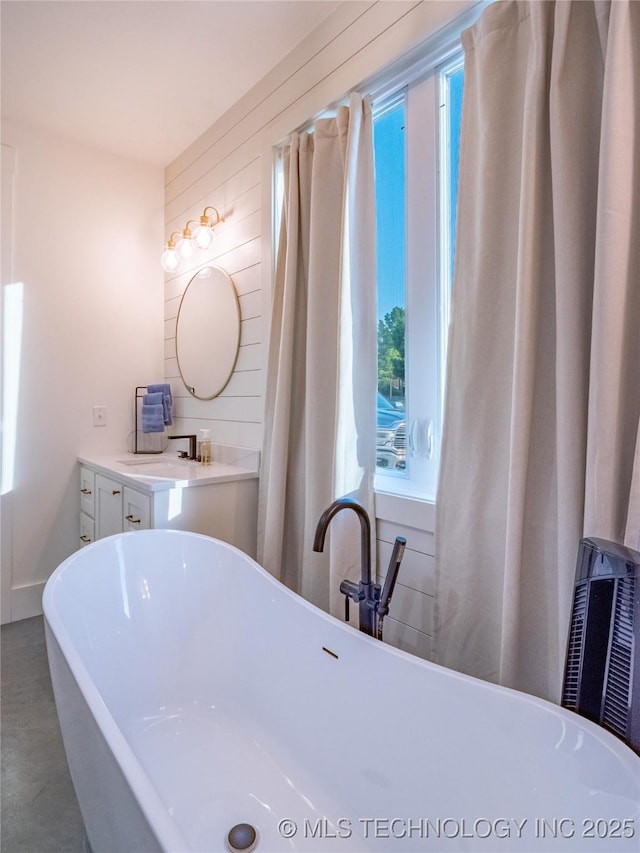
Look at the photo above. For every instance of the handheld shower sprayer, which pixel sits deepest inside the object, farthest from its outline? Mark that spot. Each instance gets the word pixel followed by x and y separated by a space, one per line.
pixel 390 582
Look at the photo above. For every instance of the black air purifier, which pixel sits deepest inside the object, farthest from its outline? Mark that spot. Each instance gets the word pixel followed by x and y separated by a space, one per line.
pixel 602 676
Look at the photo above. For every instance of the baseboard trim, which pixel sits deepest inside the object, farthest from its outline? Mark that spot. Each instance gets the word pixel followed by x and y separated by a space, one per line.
pixel 26 601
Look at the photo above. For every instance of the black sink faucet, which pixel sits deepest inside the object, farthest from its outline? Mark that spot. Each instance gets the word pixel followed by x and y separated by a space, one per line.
pixel 366 594
pixel 192 446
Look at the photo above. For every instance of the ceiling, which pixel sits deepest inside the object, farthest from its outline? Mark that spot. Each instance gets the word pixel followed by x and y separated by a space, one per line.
pixel 141 78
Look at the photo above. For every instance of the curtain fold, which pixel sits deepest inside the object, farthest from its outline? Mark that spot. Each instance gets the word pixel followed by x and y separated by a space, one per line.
pixel 320 396
pixel 543 394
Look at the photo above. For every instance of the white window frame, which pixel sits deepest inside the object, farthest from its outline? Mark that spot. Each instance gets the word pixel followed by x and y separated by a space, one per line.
pixel 428 283
pixel 454 64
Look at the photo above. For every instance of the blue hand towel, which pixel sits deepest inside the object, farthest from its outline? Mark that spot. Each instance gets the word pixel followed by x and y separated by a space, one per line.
pixel 167 400
pixel 152 413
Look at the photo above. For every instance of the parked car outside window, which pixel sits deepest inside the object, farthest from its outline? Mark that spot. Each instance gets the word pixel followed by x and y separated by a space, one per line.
pixel 391 435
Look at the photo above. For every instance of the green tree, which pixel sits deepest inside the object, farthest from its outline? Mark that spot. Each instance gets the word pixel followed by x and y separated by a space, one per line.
pixel 391 351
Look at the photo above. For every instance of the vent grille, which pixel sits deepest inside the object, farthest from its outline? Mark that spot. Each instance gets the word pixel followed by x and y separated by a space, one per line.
pixel 617 698
pixel 574 653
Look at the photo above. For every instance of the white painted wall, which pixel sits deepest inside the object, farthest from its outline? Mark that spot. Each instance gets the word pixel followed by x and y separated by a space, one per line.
pixel 230 167
pixel 87 227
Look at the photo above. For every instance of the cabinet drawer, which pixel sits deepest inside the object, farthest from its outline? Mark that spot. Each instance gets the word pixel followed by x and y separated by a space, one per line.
pixel 136 510
pixel 108 514
pixel 87 529
pixel 87 491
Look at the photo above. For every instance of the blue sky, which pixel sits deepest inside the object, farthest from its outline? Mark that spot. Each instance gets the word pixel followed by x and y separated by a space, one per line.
pixel 390 208
pixel 389 152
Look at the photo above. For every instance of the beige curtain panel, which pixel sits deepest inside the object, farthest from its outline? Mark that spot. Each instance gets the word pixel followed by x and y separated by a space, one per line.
pixel 320 396
pixel 543 387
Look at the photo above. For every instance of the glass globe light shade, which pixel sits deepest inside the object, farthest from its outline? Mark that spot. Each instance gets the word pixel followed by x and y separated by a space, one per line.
pixel 185 247
pixel 202 236
pixel 170 259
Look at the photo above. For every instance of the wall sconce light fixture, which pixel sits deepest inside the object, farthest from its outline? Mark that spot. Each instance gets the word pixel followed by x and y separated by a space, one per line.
pixel 182 248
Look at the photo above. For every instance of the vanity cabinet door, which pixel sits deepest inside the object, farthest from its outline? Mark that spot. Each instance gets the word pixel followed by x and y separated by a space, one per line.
pixel 136 510
pixel 108 506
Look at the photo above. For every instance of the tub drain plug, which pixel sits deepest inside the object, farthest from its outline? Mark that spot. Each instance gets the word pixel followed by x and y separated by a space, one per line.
pixel 242 838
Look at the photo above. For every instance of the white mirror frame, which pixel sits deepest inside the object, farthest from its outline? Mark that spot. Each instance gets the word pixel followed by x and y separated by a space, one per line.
pixel 208 333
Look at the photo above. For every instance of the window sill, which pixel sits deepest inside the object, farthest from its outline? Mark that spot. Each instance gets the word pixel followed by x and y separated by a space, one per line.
pixel 397 501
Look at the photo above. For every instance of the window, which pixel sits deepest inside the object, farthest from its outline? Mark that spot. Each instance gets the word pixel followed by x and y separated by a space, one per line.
pixel 416 136
pixel 416 126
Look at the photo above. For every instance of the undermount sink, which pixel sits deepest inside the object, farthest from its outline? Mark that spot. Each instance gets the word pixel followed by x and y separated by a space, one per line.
pixel 146 460
pixel 150 466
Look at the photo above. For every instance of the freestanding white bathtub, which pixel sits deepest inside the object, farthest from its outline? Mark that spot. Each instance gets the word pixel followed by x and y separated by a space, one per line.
pixel 195 692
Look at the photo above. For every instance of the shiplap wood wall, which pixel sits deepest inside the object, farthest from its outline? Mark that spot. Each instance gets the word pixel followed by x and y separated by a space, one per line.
pixel 231 168
pixel 235 416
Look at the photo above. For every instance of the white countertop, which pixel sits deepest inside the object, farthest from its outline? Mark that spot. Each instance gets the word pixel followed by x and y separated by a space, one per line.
pixel 153 473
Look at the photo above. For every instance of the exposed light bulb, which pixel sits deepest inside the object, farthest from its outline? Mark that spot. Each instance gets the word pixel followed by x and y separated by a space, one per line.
pixel 170 259
pixel 184 247
pixel 202 236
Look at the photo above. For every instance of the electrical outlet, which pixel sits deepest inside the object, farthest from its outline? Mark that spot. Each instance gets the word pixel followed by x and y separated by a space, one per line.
pixel 99 416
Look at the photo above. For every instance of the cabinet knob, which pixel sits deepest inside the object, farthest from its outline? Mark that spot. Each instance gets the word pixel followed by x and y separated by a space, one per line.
pixel 85 539
pixel 86 491
pixel 132 519
pixel 115 492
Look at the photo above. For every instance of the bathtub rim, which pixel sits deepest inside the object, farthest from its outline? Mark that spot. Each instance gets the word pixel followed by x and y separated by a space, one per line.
pixel 148 798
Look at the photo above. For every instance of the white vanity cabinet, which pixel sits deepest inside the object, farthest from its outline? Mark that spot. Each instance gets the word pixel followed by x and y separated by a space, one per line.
pixel 220 501
pixel 107 506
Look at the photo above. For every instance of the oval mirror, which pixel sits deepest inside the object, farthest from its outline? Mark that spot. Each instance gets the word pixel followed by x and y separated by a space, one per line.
pixel 208 332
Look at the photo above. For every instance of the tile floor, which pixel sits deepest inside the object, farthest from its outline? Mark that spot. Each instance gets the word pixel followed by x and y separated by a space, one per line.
pixel 40 813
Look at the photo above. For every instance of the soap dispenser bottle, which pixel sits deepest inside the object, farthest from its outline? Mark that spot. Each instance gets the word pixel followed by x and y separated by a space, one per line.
pixel 205 447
